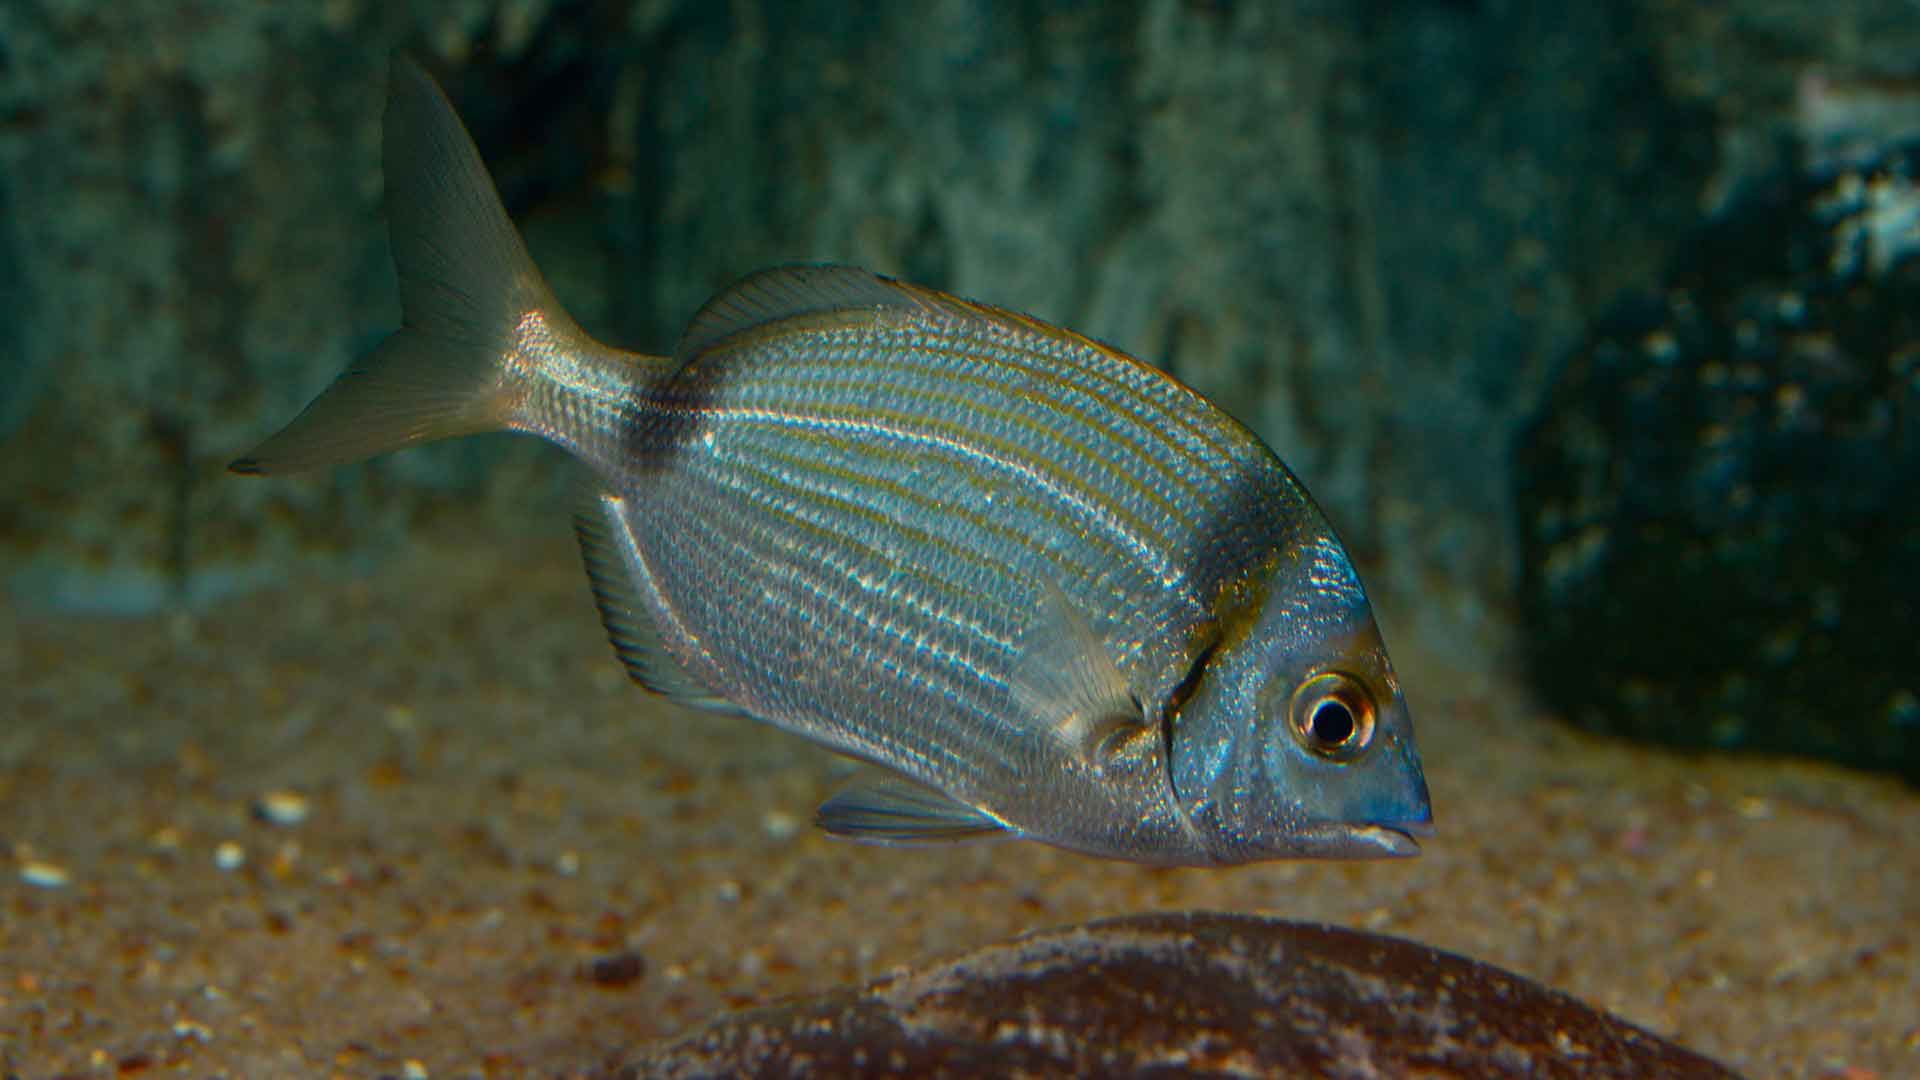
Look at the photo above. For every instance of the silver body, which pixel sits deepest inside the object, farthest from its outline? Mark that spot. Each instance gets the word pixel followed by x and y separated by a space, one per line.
pixel 844 522
pixel 1056 589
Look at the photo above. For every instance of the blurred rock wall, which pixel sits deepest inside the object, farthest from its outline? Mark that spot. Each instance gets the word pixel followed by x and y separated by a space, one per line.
pixel 1367 228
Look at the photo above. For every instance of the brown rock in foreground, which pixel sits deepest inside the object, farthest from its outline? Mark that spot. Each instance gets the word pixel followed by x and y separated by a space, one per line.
pixel 1185 994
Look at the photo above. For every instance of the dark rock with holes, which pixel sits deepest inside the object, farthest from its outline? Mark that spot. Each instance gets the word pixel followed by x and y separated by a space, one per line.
pixel 1184 995
pixel 1719 524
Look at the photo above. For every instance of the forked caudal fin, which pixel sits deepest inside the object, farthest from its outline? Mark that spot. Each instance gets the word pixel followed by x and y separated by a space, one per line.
pixel 473 303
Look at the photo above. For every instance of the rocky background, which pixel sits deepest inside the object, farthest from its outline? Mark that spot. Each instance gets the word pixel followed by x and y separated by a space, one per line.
pixel 1369 228
pixel 1719 541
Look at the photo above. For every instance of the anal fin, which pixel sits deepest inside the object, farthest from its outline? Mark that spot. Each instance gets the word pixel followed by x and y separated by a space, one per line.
pixel 608 549
pixel 896 812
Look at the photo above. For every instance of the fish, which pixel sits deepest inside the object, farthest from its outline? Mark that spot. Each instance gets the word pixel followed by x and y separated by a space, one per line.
pixel 1048 589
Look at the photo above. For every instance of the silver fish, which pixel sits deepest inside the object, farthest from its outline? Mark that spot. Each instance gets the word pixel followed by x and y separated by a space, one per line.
pixel 1054 591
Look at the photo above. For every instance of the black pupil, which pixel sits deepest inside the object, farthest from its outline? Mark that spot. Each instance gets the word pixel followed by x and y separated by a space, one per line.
pixel 1332 722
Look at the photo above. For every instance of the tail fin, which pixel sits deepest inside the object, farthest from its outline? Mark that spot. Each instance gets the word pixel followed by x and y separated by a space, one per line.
pixel 466 284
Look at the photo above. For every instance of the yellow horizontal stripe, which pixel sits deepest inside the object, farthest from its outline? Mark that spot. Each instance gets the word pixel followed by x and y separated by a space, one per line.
pixel 1141 542
pixel 963 405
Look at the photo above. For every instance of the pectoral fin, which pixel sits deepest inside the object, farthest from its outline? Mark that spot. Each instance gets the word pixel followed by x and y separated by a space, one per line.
pixel 896 812
pixel 1067 681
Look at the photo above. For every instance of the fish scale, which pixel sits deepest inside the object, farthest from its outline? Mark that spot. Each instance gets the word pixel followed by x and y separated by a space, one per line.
pixel 1051 591
pixel 932 366
pixel 1068 494
pixel 811 605
pixel 952 351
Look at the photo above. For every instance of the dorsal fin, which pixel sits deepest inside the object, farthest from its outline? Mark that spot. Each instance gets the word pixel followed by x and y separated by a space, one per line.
pixel 604 547
pixel 784 292
pixel 787 292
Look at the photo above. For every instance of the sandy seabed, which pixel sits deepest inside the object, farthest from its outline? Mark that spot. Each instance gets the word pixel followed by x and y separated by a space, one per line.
pixel 419 824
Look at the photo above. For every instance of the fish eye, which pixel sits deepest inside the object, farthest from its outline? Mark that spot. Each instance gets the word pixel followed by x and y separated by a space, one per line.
pixel 1332 715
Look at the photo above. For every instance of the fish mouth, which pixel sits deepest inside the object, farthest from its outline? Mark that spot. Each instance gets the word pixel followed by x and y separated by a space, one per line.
pixel 1392 841
pixel 1374 840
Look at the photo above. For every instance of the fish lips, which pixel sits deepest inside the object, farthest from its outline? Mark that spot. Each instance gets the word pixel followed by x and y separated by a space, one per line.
pixel 1373 840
